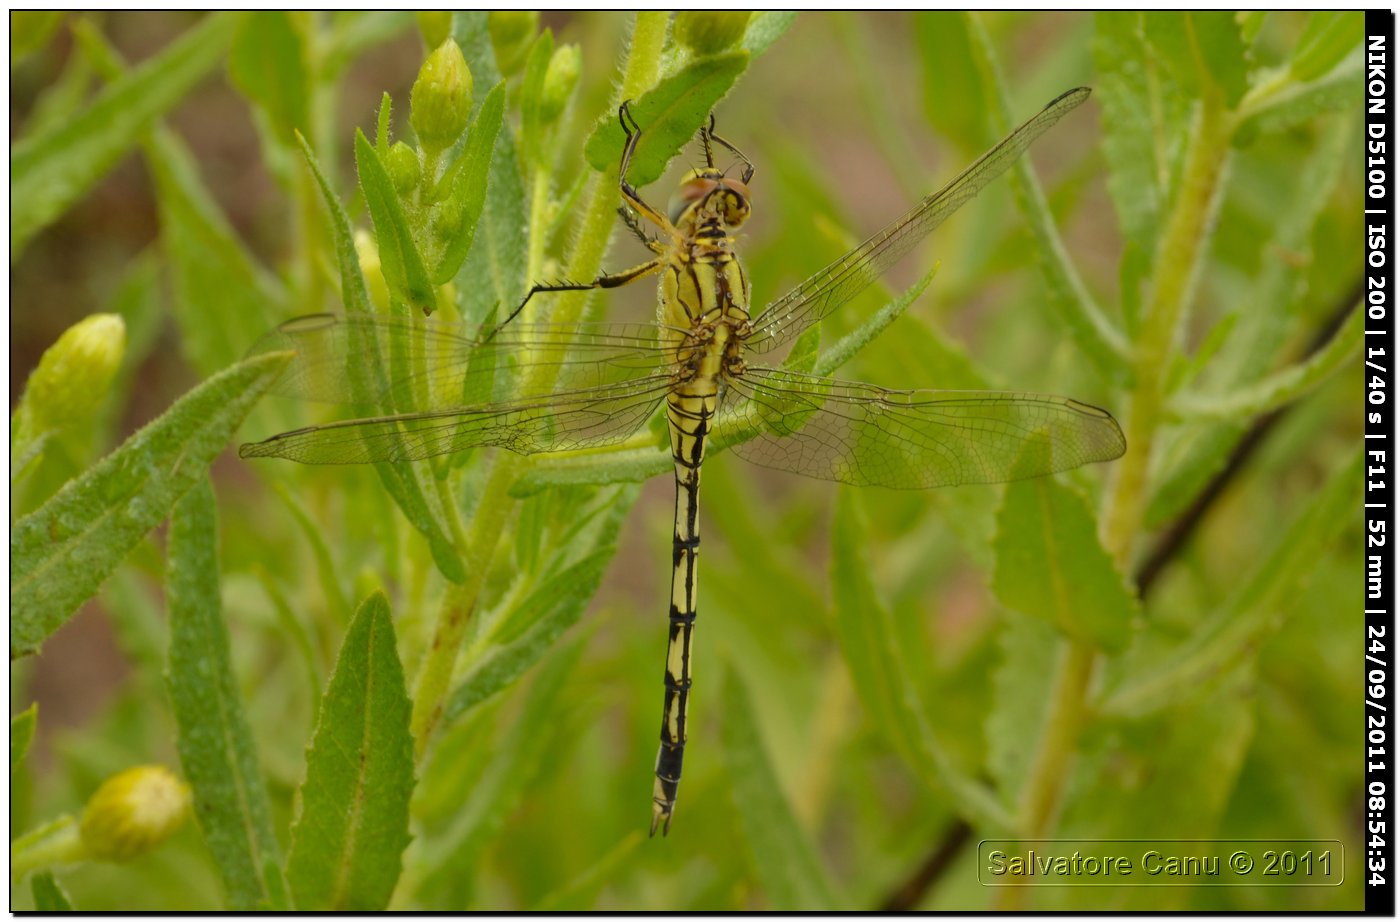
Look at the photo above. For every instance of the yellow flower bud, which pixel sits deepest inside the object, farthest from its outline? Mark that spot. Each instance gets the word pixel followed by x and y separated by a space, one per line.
pixel 559 81
pixel 710 31
pixel 441 99
pixel 512 31
pixel 133 812
pixel 371 269
pixel 436 26
pixel 403 167
pixel 73 375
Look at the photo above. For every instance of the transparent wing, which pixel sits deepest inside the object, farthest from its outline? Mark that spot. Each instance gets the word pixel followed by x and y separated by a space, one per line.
pixel 562 421
pixel 869 436
pixel 394 365
pixel 823 293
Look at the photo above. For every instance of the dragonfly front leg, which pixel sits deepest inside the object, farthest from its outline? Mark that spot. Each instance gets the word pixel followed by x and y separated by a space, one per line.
pixel 608 280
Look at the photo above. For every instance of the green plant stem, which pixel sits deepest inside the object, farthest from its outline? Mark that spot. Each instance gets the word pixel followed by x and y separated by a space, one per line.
pixel 1177 262
pixel 435 676
pixel 53 844
pixel 1178 258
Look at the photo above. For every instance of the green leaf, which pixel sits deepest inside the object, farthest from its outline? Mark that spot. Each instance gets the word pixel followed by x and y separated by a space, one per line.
pixel 1283 386
pixel 1299 103
pixel 267 62
pixel 22 734
pixel 1049 564
pixel 49 171
pixel 31 30
pixel 1201 49
pixel 1102 342
pixel 223 299
pixel 400 480
pixel 216 746
pixel 845 348
pixel 514 760
pixel 348 842
pixel 550 610
pixel 782 858
pixel 61 552
pixel 466 182
pixel 1234 630
pixel 398 252
pixel 951 93
pixel 1022 689
pixel 48 895
pixel 764 28
pixel 669 114
pixel 531 92
pixel 866 633
pixel 1328 37
pixel 1135 124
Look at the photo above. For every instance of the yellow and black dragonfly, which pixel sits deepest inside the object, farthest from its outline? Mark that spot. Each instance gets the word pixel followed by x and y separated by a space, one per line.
pixel 549 388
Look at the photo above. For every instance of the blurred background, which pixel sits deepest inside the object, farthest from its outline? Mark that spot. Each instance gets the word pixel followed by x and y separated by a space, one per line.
pixel 850 119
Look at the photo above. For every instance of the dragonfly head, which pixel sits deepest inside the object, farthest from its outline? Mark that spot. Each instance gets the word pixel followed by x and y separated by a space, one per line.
pixel 708 192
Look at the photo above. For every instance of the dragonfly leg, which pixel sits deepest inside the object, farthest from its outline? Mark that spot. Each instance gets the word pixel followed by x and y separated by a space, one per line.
pixel 629 217
pixel 609 280
pixel 707 134
pixel 629 192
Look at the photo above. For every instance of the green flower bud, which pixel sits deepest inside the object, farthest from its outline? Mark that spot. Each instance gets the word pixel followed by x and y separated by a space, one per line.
pixel 441 99
pixel 710 31
pixel 436 26
pixel 371 269
pixel 560 80
pixel 73 375
pixel 133 812
pixel 512 31
pixel 447 217
pixel 403 167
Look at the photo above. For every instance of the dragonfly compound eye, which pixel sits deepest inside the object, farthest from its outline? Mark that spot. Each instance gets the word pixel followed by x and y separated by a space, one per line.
pixel 692 190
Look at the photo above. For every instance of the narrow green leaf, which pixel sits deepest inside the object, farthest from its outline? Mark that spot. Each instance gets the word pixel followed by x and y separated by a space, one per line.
pixel 1299 103
pixel 48 895
pixel 1328 37
pixel 1236 627
pixel 951 92
pixel 216 746
pixel 382 125
pixel 1022 689
pixel 515 758
pixel 326 571
pixel 468 183
pixel 400 480
pixel 845 348
pixel 49 171
pixel 765 27
pixel 398 253
pixel 669 114
pixel 624 465
pixel 866 633
pixel 61 552
pixel 31 30
pixel 494 272
pixel 348 842
pixel 223 299
pixel 1283 386
pixel 1135 123
pixel 1050 564
pixel 1202 49
pixel 268 63
pixel 64 96
pixel 22 734
pixel 551 609
pixel 531 91
pixel 1103 343
pixel 783 860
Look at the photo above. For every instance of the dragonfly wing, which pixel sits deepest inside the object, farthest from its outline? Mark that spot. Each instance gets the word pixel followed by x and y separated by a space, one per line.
pixel 579 419
pixel 781 321
pixel 397 365
pixel 869 436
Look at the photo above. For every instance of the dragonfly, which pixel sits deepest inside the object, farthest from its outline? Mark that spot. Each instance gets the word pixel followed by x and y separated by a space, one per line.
pixel 537 387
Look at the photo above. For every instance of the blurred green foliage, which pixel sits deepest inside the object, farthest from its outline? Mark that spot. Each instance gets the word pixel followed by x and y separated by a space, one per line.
pixel 877 671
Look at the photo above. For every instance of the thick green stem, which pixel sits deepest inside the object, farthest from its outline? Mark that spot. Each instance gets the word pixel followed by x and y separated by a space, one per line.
pixel 1178 258
pixel 492 510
